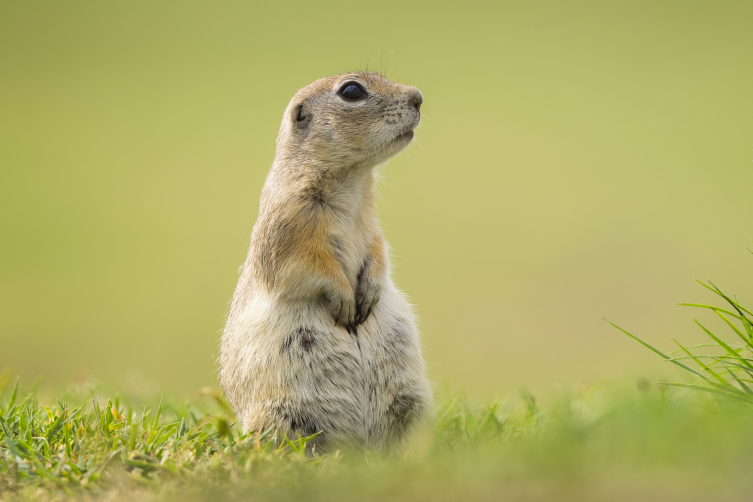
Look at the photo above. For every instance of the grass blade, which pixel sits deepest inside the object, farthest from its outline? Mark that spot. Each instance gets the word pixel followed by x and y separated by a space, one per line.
pixel 722 344
pixel 657 351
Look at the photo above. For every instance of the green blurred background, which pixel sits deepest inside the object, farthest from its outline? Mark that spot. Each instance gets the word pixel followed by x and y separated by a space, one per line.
pixel 575 160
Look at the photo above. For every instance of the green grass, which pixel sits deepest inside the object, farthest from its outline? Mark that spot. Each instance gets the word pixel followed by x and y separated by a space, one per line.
pixel 724 369
pixel 653 443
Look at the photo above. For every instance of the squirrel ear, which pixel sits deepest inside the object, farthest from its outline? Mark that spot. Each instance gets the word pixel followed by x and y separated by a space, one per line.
pixel 301 115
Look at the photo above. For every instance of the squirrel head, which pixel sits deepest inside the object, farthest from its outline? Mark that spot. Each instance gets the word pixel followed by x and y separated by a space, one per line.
pixel 353 119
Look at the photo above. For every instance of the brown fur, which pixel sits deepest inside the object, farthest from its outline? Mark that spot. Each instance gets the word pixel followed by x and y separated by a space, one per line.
pixel 318 338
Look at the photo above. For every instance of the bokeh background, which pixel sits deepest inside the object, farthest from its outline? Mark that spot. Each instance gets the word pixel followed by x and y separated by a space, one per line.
pixel 576 160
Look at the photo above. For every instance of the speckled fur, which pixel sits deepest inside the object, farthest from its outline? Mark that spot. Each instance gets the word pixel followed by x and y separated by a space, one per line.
pixel 318 338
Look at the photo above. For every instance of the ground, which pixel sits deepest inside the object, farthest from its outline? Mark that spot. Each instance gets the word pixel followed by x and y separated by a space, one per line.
pixel 647 442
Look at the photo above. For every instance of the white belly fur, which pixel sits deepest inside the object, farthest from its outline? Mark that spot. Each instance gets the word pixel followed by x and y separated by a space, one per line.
pixel 294 369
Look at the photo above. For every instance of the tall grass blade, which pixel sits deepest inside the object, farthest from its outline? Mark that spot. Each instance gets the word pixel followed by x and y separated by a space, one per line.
pixel 723 345
pixel 657 351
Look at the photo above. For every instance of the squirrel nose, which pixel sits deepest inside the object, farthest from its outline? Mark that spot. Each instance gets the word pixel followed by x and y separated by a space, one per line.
pixel 416 99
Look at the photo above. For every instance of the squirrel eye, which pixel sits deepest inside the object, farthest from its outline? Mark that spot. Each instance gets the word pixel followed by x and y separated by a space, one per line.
pixel 352 92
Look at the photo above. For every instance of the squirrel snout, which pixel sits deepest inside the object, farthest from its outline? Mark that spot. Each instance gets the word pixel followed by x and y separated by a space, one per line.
pixel 416 99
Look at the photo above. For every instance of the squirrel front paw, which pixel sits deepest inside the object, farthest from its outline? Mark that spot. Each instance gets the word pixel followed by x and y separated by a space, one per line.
pixel 367 296
pixel 343 309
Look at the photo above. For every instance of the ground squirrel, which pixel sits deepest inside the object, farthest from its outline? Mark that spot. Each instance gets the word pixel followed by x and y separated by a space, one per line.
pixel 318 338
